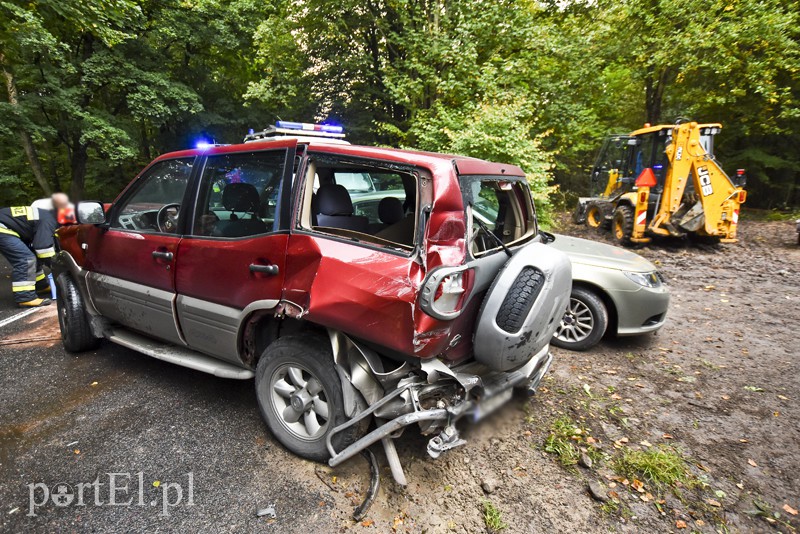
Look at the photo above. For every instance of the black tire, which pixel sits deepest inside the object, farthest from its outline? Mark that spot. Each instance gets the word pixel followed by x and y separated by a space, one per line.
pixel 594 216
pixel 622 225
pixel 584 305
pixel 76 334
pixel 311 356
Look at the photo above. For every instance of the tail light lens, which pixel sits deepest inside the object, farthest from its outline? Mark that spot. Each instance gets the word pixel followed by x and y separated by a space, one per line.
pixel 445 292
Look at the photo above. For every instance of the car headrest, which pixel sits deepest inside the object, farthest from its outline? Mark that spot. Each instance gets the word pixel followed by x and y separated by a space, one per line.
pixel 390 210
pixel 333 199
pixel 240 197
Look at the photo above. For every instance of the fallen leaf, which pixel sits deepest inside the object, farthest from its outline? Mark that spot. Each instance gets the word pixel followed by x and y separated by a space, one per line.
pixel 714 502
pixel 588 389
pixel 752 462
pixel 156 483
pixel 334 479
pixel 680 524
pixel 726 397
pixel 789 510
pixel 645 443
pixel 781 397
pixel 94 383
pixel 754 388
pixel 700 523
pixel 638 485
pixel 667 436
pixel 77 451
pixel 740 486
pixel 616 396
pixel 647 497
pixel 776 414
pixel 613 495
pixel 590 439
pixel 367 523
pixel 742 440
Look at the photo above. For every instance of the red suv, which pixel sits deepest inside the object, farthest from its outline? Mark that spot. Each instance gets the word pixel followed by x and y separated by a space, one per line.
pixel 250 260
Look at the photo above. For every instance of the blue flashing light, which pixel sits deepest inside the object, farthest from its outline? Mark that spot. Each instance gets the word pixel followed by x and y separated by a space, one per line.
pixel 657 167
pixel 327 128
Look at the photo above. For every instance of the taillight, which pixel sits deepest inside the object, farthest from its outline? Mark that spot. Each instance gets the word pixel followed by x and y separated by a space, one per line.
pixel 449 289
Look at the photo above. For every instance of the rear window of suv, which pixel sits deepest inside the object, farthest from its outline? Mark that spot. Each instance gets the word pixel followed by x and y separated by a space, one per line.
pixel 498 210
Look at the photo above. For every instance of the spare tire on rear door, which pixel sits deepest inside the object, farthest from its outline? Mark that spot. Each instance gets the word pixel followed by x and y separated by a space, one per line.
pixel 523 307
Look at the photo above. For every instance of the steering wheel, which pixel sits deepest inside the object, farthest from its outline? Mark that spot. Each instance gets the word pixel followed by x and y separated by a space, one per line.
pixel 168 223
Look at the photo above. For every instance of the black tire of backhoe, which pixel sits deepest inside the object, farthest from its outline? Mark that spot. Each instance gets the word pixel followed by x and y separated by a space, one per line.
pixel 76 334
pixel 623 218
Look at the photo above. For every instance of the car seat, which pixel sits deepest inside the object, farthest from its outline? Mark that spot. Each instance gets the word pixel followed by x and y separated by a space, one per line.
pixel 240 197
pixel 336 209
pixel 390 211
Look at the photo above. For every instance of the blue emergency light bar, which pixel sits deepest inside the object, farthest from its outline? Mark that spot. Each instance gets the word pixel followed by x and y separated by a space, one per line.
pixel 299 130
pixel 308 127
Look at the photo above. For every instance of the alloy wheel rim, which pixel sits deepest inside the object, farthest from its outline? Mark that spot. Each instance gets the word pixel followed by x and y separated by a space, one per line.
pixel 300 401
pixel 577 323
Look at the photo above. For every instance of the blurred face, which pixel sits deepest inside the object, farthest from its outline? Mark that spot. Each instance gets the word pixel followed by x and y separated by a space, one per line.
pixel 60 200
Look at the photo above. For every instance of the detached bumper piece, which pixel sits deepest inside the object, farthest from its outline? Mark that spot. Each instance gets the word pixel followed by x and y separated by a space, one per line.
pixel 436 403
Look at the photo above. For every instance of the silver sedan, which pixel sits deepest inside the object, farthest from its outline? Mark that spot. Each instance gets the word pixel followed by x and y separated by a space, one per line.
pixel 613 290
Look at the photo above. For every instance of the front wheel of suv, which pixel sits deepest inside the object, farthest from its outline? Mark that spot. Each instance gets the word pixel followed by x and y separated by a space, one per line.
pixel 76 333
pixel 584 322
pixel 300 396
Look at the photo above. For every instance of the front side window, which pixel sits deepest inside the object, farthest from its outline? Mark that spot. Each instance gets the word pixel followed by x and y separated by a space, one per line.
pixel 240 194
pixel 156 201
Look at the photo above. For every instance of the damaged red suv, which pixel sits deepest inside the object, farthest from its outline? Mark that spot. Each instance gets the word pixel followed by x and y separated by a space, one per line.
pixel 357 285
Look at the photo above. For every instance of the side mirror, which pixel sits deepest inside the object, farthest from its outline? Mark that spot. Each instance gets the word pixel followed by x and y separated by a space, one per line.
pixel 90 212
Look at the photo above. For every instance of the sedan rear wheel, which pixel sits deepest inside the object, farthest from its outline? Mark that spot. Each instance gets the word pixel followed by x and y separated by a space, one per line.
pixel 584 322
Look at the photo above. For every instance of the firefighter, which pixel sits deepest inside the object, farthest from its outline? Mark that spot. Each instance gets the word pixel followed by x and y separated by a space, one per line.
pixel 26 241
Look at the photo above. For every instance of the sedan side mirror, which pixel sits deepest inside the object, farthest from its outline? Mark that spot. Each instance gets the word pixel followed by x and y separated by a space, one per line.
pixel 90 212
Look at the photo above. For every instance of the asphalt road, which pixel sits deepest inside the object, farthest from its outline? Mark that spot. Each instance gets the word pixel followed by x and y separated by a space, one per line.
pixel 68 420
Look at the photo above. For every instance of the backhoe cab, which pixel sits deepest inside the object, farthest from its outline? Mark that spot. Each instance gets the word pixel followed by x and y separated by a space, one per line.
pixel 663 180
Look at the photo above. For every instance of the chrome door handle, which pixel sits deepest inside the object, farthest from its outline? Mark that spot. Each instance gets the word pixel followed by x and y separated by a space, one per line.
pixel 266 269
pixel 160 255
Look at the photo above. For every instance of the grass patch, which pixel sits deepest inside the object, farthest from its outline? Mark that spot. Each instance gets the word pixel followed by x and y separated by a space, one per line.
pixel 567 439
pixel 493 518
pixel 561 441
pixel 662 465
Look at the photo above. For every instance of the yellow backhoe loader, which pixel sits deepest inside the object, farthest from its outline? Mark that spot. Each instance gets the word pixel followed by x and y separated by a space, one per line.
pixel 663 180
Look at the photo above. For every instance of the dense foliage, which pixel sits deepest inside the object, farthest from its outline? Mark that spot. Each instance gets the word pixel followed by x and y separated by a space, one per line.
pixel 94 90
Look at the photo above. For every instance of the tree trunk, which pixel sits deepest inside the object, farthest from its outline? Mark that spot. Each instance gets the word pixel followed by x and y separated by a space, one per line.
pixel 654 93
pixel 25 137
pixel 78 171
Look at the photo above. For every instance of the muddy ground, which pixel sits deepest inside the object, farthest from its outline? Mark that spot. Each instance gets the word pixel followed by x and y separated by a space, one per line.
pixel 716 390
pixel 717 387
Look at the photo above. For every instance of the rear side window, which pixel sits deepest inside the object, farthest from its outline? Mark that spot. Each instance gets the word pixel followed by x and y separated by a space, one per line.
pixel 498 211
pixel 361 200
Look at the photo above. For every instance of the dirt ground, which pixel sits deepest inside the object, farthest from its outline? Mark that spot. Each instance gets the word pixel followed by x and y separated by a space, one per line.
pixel 716 388
pixel 711 400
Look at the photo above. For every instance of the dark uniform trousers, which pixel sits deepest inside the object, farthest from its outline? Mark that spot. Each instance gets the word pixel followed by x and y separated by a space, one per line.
pixel 26 264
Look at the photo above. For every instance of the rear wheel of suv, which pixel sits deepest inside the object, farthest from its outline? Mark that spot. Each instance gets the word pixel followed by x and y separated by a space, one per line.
pixel 76 334
pixel 300 396
pixel 584 322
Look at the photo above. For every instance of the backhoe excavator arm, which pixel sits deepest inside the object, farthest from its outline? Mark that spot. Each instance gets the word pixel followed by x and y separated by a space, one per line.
pixel 714 204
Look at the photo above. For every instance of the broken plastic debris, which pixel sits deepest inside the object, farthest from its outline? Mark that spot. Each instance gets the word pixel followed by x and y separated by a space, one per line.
pixel 269 512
